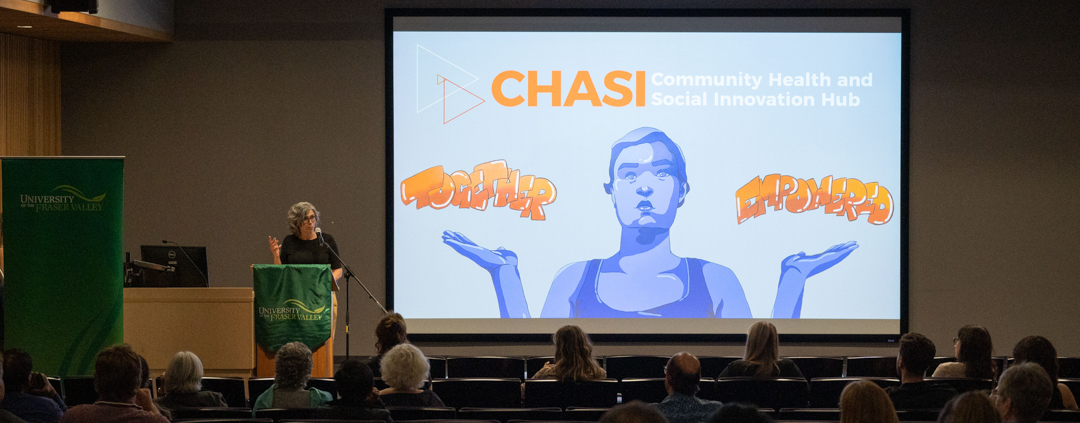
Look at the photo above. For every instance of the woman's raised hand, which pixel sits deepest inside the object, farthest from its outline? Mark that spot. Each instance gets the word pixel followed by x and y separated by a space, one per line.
pixel 275 247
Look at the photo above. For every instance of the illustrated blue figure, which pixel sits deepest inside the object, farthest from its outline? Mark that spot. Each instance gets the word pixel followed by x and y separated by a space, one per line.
pixel 647 184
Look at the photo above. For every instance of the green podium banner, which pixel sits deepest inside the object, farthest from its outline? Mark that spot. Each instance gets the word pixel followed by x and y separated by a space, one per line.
pixel 63 248
pixel 292 303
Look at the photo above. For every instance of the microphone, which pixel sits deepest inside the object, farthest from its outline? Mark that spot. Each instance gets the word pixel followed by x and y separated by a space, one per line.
pixel 165 241
pixel 321 240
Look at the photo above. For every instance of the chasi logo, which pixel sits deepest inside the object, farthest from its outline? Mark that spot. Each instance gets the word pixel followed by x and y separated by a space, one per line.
pixel 298 311
pixel 62 199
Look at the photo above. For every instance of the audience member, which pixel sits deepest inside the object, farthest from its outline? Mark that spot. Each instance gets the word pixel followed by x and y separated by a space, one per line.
pixel 29 395
pixel 633 412
pixel 681 376
pixel 762 356
pixel 183 384
pixel 573 357
pixel 389 332
pixel 359 400
pixel 292 365
pixel 864 402
pixel 5 416
pixel 117 377
pixel 969 407
pixel 739 413
pixel 915 356
pixel 405 369
pixel 973 350
pixel 1039 350
pixel 1023 393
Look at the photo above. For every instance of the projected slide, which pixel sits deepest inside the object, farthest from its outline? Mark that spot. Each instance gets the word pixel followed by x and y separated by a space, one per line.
pixel 646 175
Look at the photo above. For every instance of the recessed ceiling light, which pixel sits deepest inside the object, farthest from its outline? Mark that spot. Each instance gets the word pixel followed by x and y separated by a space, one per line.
pixel 24 26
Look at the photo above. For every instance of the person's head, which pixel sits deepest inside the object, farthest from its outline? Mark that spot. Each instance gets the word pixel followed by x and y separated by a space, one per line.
pixel 17 369
pixel 573 354
pixel 969 407
pixel 404 367
pixel 762 347
pixel 916 354
pixel 647 179
pixel 184 374
pixel 293 366
pixel 390 332
pixel 1023 393
pixel 682 374
pixel 863 401
pixel 1038 350
pixel 633 412
pixel 739 413
pixel 353 380
pixel 302 215
pixel 117 374
pixel 974 348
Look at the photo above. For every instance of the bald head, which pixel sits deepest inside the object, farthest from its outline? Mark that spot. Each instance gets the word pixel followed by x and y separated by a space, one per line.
pixel 683 371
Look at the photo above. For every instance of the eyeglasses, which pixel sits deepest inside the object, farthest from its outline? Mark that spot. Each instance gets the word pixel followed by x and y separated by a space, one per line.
pixel 310 218
pixel 955 340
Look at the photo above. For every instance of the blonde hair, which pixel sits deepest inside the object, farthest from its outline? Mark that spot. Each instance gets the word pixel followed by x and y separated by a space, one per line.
pixel 763 348
pixel 404 367
pixel 573 355
pixel 184 374
pixel 969 407
pixel 865 402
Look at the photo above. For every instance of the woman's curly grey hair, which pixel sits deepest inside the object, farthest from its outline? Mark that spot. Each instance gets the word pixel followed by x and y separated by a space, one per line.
pixel 297 213
pixel 184 374
pixel 404 367
pixel 293 366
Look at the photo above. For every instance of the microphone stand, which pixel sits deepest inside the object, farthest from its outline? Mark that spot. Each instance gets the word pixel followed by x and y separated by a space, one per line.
pixel 348 276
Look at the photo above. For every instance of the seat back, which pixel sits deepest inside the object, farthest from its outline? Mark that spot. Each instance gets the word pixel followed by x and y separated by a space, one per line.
pixel 812 367
pixel 937 362
pixel 506 414
pixel 325 384
pixel 871 367
pixel 438 367
pixel 964 384
pixel 825 392
pixel 563 394
pixel 818 414
pixel 583 414
pixel 485 393
pixel 636 366
pixel 211 413
pixel 79 390
pixel 422 413
pixel 1061 416
pixel 485 367
pixel 534 364
pixel 928 415
pixel 712 366
pixel 230 388
pixel 237 420
pixel 285 413
pixel 646 390
pixel 764 392
pixel 256 386
pixel 1069 367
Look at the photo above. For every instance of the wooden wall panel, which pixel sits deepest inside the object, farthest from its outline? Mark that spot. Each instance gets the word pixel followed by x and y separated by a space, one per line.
pixel 29 97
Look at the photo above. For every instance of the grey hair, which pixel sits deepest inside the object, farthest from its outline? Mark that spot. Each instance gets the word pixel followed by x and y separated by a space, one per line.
pixel 297 213
pixel 293 366
pixel 184 374
pixel 1029 387
pixel 404 367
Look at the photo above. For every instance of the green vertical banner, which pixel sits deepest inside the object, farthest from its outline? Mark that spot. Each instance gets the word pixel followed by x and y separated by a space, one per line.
pixel 63 247
pixel 292 303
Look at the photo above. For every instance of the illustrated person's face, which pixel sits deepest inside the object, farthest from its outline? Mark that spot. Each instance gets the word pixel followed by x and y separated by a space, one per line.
pixel 646 191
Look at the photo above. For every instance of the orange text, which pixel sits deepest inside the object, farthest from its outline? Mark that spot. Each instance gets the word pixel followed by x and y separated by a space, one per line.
pixel 491 180
pixel 582 89
pixel 840 196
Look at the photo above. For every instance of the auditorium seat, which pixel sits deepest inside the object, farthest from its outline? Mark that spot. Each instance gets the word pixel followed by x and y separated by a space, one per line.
pixel 438 367
pixel 1061 416
pixel 1069 367
pixel 871 367
pixel 256 386
pixel 325 384
pixel 937 362
pixel 712 366
pixel 1002 363
pixel 506 414
pixel 825 392
pixel 277 414
pixel 58 385
pixel 551 421
pixel 583 414
pixel 918 415
pixel 645 390
pixel 802 414
pixel 212 413
pixel 485 367
pixel 812 367
pixel 773 393
pixel 1073 384
pixel 79 390
pixel 636 366
pixel 707 388
pixel 247 420
pixel 381 384
pixel 534 364
pixel 454 421
pixel 231 389
pixel 487 393
pixel 563 394
pixel 328 421
pixel 422 413
pixel 964 384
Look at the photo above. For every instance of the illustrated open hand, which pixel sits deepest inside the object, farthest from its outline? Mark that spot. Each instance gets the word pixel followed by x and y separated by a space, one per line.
pixel 488 259
pixel 812 265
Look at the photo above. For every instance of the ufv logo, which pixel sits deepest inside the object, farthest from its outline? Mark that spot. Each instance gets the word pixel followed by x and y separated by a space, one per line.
pixel 67 202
